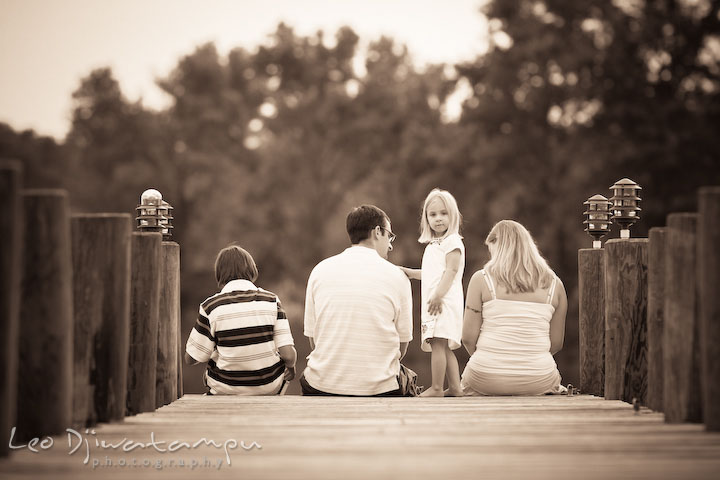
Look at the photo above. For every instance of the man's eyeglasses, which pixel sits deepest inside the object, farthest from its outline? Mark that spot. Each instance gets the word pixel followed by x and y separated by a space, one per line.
pixel 391 235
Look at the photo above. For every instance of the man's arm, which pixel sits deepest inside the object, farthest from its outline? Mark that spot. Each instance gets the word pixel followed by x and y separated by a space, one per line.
pixel 403 349
pixel 309 316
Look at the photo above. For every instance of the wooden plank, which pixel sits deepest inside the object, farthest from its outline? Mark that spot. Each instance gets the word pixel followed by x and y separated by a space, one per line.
pixel 11 248
pixel 354 438
pixel 709 303
pixel 626 319
pixel 682 395
pixel 44 395
pixel 656 317
pixel 591 287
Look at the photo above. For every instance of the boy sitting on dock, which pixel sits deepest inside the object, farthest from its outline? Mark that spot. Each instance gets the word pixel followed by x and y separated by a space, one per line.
pixel 242 333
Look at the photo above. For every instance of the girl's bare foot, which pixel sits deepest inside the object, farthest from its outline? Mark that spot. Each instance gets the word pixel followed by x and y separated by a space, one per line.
pixel 454 392
pixel 433 392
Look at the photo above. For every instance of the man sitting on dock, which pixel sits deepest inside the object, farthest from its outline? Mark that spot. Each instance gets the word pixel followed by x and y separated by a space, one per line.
pixel 358 314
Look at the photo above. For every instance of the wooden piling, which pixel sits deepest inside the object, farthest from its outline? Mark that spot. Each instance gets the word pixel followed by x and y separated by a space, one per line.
pixel 682 396
pixel 626 319
pixel 591 287
pixel 11 247
pixel 101 268
pixel 709 303
pixel 656 318
pixel 180 352
pixel 44 394
pixel 144 313
pixel 169 317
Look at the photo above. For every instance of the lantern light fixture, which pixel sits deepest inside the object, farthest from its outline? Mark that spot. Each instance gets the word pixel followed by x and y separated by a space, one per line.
pixel 625 209
pixel 154 214
pixel 597 218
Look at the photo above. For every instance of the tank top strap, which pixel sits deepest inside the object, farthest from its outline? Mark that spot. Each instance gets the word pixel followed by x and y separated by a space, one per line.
pixel 489 282
pixel 551 291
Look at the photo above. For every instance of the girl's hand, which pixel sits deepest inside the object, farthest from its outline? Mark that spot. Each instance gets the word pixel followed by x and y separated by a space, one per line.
pixel 435 305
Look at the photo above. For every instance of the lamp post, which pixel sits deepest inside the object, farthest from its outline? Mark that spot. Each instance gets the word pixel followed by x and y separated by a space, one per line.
pixel 597 218
pixel 625 209
pixel 154 214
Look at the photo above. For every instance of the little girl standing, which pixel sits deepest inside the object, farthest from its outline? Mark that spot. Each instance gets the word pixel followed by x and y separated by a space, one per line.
pixel 442 295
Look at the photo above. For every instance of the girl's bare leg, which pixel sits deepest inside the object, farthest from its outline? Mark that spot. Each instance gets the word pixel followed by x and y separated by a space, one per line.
pixel 438 365
pixel 452 372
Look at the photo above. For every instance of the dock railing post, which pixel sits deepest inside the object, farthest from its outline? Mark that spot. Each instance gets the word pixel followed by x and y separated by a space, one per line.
pixel 45 352
pixel 626 319
pixel 591 287
pixel 144 314
pixel 167 364
pixel 656 317
pixel 682 396
pixel 709 300
pixel 101 268
pixel 11 246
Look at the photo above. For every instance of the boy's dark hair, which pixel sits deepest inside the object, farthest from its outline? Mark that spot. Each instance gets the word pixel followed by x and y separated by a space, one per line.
pixel 361 220
pixel 234 263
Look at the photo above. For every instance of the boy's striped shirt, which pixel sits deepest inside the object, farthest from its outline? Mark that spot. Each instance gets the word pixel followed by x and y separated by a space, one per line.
pixel 238 333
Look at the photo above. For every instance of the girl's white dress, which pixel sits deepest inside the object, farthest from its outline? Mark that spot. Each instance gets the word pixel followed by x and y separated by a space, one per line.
pixel 513 349
pixel 448 324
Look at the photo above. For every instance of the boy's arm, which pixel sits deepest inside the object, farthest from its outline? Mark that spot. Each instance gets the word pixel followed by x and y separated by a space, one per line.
pixel 189 360
pixel 289 356
pixel 452 265
pixel 201 341
pixel 284 342
pixel 412 273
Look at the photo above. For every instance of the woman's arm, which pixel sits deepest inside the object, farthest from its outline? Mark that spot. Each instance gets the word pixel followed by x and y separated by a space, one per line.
pixel 452 265
pixel 472 319
pixel 412 273
pixel 557 322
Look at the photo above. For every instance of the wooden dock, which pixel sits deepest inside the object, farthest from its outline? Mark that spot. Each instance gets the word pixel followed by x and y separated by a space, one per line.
pixel 554 437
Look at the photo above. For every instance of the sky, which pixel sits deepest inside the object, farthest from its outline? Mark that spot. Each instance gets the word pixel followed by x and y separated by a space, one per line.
pixel 47 46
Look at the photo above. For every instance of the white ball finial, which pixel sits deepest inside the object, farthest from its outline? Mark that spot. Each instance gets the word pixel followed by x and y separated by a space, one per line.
pixel 151 197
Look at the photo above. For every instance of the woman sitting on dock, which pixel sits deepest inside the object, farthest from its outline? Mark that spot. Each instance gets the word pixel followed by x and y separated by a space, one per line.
pixel 514 319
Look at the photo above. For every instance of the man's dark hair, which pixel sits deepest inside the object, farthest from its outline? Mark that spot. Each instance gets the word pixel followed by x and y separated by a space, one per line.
pixel 361 220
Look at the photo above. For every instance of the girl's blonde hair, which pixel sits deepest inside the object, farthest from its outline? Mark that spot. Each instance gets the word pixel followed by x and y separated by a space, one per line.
pixel 517 263
pixel 426 233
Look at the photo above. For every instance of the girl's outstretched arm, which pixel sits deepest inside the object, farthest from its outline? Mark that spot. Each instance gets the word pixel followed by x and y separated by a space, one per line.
pixel 452 265
pixel 412 273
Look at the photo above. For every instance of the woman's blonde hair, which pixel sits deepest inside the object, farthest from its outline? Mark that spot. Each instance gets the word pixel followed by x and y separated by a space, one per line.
pixel 517 263
pixel 426 233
